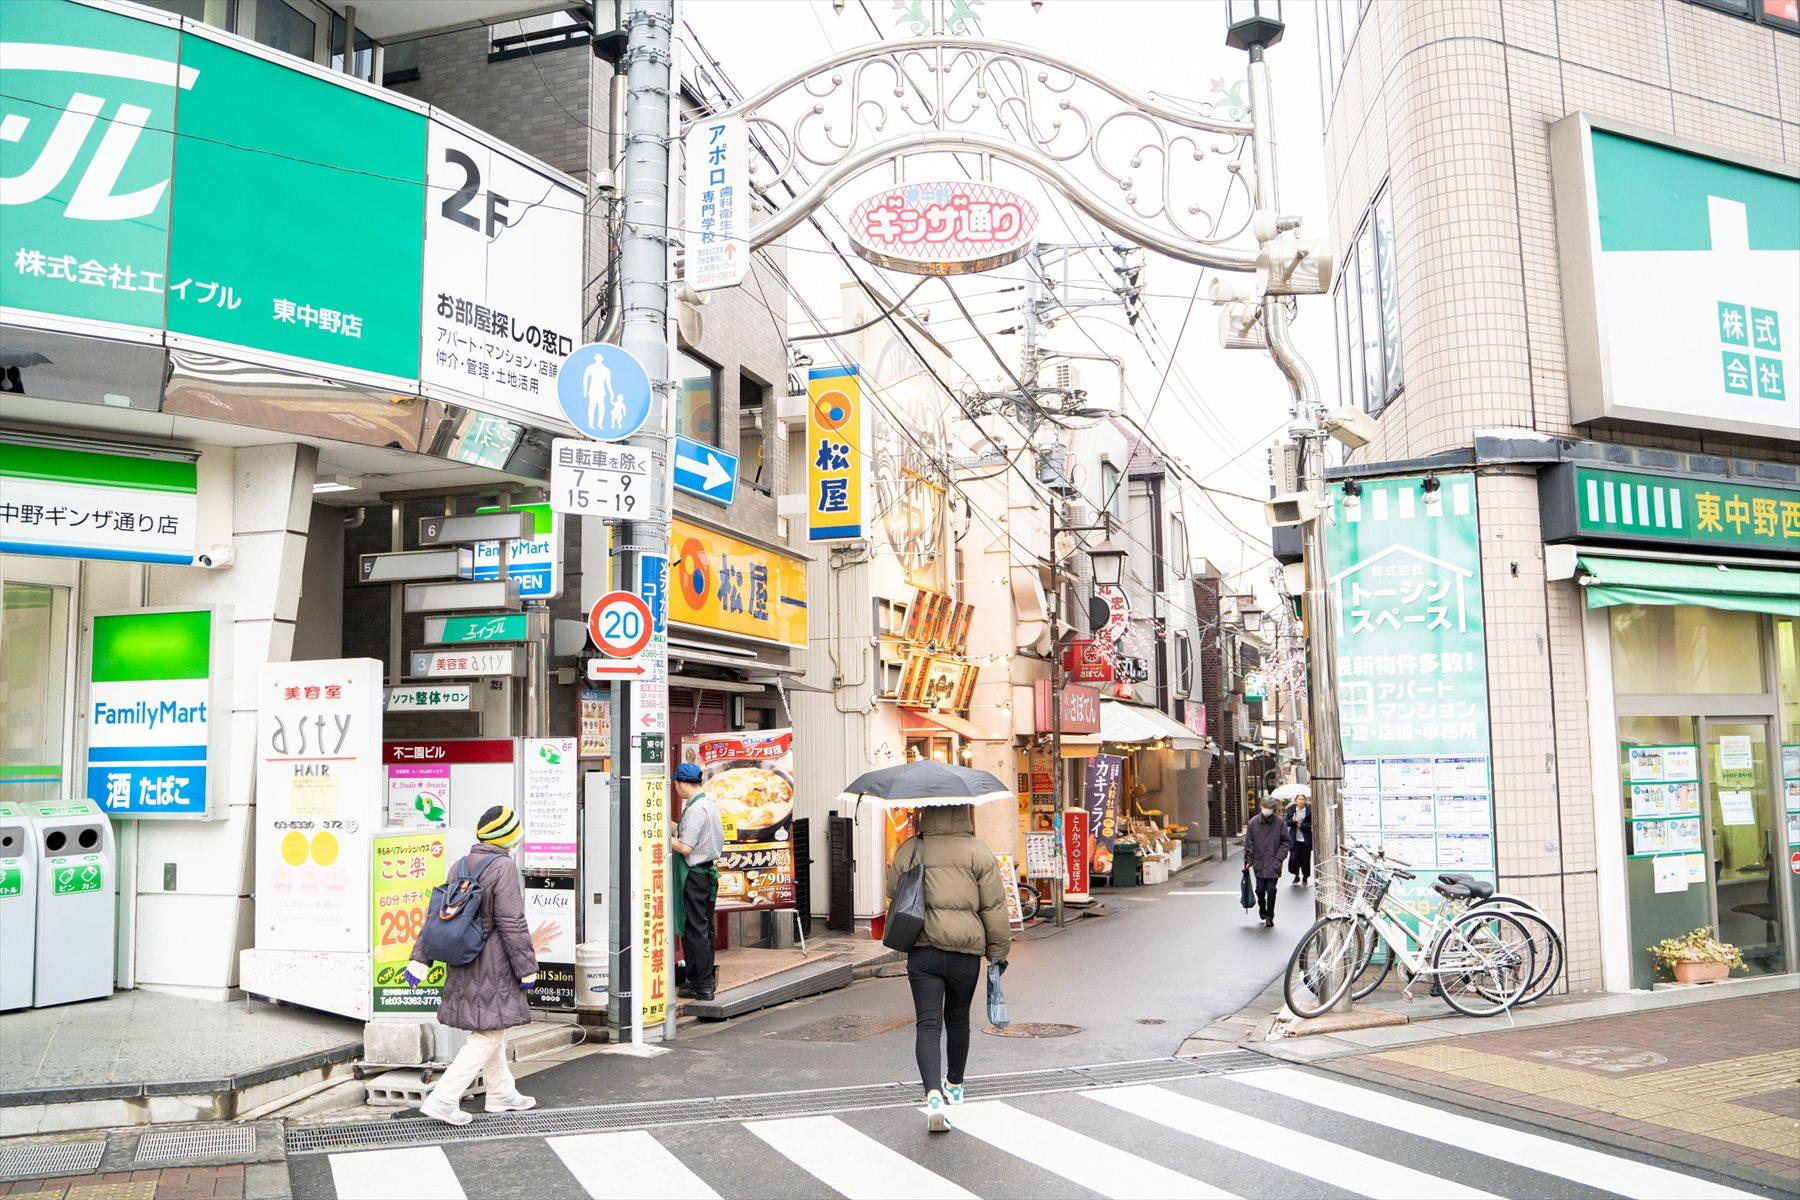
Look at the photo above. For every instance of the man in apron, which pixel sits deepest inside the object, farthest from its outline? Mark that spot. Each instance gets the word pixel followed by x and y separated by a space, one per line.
pixel 699 839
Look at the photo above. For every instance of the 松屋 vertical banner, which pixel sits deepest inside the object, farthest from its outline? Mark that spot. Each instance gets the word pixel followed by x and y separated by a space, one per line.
pixel 835 478
pixel 1404 567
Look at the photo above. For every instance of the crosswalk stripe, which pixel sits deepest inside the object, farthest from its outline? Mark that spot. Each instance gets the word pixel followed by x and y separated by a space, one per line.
pixel 421 1172
pixel 1609 1173
pixel 848 1160
pixel 1081 1160
pixel 1300 1153
pixel 628 1164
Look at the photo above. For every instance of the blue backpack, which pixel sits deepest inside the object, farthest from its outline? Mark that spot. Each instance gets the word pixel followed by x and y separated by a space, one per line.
pixel 453 932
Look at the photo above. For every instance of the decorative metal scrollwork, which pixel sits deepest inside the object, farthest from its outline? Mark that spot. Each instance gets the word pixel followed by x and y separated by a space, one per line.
pixel 1072 127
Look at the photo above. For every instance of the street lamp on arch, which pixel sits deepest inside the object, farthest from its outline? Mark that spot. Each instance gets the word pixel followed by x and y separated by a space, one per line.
pixel 1253 24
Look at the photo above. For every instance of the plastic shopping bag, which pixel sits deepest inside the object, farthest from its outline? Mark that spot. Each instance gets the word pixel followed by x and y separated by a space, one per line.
pixel 1246 894
pixel 996 998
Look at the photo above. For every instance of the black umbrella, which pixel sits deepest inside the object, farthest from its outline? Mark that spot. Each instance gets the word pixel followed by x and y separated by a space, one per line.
pixel 926 784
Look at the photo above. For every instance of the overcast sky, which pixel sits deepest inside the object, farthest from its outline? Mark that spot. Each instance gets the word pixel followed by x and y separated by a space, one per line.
pixel 1218 410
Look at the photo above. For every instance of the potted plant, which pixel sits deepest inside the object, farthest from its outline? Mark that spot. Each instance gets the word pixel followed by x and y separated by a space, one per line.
pixel 1697 957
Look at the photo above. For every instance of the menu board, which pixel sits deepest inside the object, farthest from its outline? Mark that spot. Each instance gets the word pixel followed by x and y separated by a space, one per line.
pixel 1429 813
pixel 750 776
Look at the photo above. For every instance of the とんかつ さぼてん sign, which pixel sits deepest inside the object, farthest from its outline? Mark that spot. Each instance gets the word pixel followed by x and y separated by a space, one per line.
pixel 955 227
pixel 156 726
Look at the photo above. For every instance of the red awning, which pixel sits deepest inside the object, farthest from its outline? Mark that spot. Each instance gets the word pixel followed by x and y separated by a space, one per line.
pixel 915 720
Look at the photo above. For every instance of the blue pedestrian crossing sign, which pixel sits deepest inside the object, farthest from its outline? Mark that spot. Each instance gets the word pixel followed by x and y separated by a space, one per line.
pixel 604 391
pixel 705 471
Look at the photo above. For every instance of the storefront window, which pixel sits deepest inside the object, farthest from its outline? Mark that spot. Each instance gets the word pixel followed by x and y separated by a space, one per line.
pixel 34 665
pixel 697 403
pixel 1679 649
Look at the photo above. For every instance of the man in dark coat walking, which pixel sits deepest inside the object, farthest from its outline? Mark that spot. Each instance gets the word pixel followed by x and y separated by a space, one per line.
pixel 1266 846
pixel 487 997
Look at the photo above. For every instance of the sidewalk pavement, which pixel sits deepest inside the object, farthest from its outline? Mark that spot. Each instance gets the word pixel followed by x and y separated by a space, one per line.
pixel 1708 1076
pixel 256 1181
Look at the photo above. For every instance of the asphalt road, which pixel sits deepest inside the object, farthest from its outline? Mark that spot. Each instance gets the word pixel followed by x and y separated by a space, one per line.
pixel 1162 955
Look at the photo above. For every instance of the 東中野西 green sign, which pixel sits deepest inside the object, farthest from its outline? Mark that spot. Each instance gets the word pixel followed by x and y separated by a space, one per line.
pixel 1639 506
pixel 213 233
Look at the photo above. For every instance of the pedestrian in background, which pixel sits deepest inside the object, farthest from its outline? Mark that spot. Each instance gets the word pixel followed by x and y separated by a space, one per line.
pixel 965 918
pixel 487 997
pixel 1266 845
pixel 699 839
pixel 1299 823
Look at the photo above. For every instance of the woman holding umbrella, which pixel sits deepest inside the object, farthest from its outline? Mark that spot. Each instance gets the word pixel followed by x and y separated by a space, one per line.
pixel 965 912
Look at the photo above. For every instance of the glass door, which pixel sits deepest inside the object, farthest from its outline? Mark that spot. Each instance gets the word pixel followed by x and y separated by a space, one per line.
pixel 34 687
pixel 1746 839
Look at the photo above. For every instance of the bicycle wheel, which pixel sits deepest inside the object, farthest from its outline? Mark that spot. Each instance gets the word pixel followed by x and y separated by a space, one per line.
pixel 1371 974
pixel 1547 948
pixel 1028 901
pixel 1323 965
pixel 1483 962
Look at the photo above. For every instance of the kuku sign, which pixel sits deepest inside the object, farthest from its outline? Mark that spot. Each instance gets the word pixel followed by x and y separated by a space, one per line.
pixel 156 724
pixel 956 227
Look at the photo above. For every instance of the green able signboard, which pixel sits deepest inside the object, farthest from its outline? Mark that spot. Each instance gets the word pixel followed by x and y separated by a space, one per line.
pixel 461 631
pixel 1404 567
pixel 1640 506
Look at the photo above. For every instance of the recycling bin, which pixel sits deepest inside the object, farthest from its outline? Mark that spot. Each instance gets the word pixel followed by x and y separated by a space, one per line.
pixel 18 907
pixel 77 916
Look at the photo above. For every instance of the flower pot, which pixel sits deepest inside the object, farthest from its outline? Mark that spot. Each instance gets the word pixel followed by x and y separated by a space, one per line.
pixel 1701 972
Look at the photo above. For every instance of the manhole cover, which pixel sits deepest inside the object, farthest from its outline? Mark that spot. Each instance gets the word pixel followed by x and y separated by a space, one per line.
pixel 1151 1021
pixel 849 1027
pixel 1034 1029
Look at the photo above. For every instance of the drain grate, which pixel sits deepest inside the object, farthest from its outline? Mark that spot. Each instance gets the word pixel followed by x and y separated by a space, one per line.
pixel 57 1158
pixel 846 1027
pixel 1033 1029
pixel 331 1137
pixel 180 1144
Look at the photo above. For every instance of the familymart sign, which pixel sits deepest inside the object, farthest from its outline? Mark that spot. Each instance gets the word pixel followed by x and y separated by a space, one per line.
pixel 60 502
pixel 1681 280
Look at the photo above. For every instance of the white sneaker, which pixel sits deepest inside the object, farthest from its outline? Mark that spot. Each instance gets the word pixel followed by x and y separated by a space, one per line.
pixel 936 1119
pixel 953 1092
pixel 517 1103
pixel 449 1114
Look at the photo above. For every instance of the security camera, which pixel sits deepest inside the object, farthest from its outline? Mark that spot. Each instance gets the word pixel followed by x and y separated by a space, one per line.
pixel 1351 426
pixel 216 559
pixel 1291 508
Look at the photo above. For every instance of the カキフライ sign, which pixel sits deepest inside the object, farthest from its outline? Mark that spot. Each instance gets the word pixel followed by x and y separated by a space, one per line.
pixel 953 227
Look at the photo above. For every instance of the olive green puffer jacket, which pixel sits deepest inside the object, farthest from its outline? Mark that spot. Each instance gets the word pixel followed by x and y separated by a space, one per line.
pixel 965 898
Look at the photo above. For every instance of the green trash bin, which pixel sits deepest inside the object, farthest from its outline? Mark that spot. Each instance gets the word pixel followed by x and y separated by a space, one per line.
pixel 1125 865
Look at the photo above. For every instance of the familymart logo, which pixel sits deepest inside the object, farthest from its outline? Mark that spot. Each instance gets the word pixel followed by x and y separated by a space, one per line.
pixel 1752 355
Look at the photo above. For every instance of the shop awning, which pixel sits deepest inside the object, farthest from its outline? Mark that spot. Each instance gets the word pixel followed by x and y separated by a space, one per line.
pixel 1607 581
pixel 1135 723
pixel 967 730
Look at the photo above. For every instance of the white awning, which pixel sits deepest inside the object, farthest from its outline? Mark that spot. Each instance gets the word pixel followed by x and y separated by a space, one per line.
pixel 1137 724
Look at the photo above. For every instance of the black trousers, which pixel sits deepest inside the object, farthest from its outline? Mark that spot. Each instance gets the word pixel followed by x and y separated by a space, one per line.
pixel 943 986
pixel 697 938
pixel 1300 860
pixel 1265 896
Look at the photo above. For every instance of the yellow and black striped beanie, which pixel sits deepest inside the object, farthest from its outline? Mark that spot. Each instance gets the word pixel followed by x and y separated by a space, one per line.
pixel 500 827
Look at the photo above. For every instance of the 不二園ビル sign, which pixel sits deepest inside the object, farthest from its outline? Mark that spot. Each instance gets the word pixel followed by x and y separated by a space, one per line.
pixel 404 867
pixel 1681 280
pixel 953 227
pixel 716 233
pixel 156 727
pixel 725 583
pixel 836 478
pixel 1675 510
pixel 60 502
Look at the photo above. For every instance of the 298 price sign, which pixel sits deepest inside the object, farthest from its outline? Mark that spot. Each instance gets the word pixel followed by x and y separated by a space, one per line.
pixel 598 479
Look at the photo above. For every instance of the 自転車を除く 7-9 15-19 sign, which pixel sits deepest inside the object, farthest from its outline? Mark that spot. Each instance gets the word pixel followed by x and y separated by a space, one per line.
pixel 956 227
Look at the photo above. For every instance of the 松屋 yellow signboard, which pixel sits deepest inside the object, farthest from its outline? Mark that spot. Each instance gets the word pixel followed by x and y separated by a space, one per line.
pixel 835 477
pixel 719 582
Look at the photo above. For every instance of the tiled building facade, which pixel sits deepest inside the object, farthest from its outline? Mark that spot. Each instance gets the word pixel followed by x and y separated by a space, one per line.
pixel 1456 335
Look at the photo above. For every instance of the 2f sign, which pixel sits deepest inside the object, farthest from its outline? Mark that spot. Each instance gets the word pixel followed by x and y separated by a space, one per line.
pixel 456 204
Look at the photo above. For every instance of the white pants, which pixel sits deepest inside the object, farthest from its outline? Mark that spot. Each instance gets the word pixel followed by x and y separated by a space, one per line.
pixel 484 1054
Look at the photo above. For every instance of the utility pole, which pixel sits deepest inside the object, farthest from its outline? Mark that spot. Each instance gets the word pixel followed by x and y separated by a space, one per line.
pixel 1255 34
pixel 640 759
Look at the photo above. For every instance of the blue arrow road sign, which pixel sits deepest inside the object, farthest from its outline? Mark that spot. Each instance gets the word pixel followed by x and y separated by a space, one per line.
pixel 705 471
pixel 604 391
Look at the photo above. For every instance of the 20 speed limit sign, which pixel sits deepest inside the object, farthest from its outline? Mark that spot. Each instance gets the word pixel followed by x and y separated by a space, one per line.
pixel 619 623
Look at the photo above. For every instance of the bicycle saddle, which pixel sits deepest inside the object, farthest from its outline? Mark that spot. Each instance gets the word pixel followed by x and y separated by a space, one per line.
pixel 1462 887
